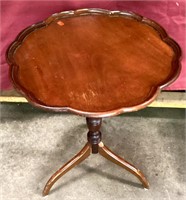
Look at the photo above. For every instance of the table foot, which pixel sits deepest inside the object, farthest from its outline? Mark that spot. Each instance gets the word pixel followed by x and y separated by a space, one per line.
pixel 82 155
pixel 108 154
pixel 94 145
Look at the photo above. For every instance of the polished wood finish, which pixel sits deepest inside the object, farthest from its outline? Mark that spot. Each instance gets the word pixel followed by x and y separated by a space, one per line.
pixel 82 155
pixel 94 145
pixel 93 62
pixel 108 154
pixel 94 134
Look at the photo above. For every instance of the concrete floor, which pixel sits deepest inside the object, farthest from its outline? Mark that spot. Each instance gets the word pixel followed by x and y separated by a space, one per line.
pixel 35 143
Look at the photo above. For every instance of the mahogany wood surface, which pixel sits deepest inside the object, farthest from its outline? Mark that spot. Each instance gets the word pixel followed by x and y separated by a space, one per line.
pixel 94 145
pixel 93 62
pixel 77 159
pixel 111 156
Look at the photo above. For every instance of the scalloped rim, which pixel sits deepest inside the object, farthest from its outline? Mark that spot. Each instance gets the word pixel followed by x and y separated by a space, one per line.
pixel 92 11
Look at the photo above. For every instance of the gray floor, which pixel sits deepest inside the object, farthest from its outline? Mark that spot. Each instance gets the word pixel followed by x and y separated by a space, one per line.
pixel 34 144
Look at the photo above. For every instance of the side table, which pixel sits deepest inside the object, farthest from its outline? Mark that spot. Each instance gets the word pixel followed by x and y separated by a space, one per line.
pixel 95 63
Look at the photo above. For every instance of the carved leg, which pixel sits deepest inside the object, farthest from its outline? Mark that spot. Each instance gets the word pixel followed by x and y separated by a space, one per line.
pixel 82 155
pixel 108 154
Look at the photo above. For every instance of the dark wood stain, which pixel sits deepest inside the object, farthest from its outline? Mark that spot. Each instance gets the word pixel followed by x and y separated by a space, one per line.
pixel 93 62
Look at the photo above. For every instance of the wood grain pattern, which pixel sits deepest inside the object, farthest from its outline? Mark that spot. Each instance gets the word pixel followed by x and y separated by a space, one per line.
pixel 93 62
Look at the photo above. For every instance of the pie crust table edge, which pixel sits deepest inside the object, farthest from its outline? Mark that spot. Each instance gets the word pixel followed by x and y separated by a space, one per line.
pixel 94 119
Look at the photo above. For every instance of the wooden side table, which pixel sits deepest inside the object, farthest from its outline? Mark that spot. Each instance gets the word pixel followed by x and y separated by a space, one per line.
pixel 95 63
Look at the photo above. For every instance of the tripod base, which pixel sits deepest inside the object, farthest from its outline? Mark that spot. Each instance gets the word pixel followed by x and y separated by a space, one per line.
pixel 94 145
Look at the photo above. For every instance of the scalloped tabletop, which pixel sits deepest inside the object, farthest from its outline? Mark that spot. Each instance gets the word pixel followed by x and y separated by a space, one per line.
pixel 95 63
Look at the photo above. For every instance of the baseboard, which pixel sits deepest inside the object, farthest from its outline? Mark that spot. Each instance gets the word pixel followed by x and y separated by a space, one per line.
pixel 167 99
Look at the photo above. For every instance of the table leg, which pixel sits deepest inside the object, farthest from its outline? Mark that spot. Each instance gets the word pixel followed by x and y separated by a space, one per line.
pixel 108 154
pixel 94 145
pixel 82 155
